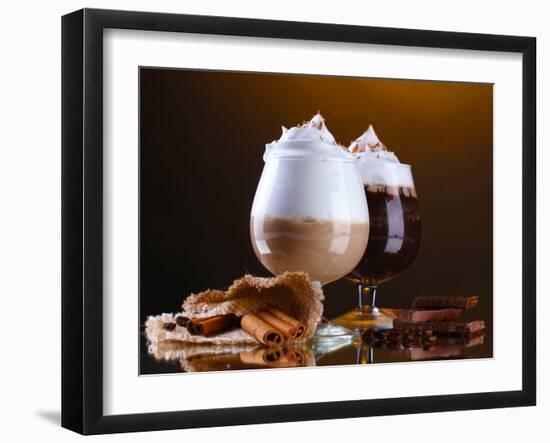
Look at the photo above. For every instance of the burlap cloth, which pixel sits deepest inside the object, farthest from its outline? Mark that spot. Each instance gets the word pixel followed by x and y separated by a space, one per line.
pixel 291 292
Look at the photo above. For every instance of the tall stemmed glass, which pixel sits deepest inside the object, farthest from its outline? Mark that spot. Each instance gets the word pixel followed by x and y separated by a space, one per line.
pixel 310 214
pixel 394 239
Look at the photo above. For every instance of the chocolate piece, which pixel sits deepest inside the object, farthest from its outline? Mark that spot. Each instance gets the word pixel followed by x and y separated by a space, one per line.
pixel 418 315
pixel 436 352
pixel 443 328
pixel 430 303
pixel 467 342
pixel 169 326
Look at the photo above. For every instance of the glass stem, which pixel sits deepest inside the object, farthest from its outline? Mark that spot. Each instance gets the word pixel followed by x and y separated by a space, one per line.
pixel 367 298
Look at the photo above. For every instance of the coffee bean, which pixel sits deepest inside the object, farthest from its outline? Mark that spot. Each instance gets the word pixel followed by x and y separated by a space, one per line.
pixel 397 338
pixel 368 340
pixel 169 326
pixel 369 333
pixel 181 321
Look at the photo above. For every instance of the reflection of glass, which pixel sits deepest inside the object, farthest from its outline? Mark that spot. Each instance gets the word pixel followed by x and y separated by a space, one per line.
pixel 393 242
pixel 310 214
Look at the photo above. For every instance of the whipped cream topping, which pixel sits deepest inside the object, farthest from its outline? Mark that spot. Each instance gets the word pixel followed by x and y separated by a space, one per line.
pixel 315 129
pixel 311 139
pixel 368 147
pixel 377 165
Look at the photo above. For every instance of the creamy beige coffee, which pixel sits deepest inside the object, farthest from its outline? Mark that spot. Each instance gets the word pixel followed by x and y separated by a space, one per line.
pixel 325 249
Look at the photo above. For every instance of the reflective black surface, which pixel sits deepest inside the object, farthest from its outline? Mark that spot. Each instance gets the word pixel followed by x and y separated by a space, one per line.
pixel 173 357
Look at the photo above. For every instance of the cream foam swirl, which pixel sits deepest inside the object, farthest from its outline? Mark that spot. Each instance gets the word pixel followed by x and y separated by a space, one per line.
pixel 315 129
pixel 311 139
pixel 368 147
pixel 377 165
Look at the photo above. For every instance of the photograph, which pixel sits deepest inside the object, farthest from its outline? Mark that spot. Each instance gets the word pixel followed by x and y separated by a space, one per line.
pixel 268 222
pixel 290 220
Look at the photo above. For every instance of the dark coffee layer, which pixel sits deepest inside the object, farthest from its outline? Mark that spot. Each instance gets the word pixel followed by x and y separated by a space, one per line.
pixel 394 235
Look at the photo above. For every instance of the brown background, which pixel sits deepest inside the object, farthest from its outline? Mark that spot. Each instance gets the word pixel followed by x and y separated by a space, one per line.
pixel 203 134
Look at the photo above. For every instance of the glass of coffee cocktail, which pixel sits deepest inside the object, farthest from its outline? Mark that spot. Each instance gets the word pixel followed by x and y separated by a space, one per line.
pixel 310 212
pixel 395 228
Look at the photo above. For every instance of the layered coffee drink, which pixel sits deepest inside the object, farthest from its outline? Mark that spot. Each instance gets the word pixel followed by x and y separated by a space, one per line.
pixel 394 235
pixel 327 249
pixel 309 212
pixel 395 227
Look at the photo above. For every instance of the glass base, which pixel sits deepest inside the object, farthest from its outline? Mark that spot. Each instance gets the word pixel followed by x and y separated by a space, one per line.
pixel 329 337
pixel 360 319
pixel 327 330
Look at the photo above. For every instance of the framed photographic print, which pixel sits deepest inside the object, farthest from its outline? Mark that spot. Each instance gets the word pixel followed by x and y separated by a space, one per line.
pixel 269 221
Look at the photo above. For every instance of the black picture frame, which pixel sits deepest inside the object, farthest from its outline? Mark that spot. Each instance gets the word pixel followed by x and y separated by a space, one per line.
pixel 82 220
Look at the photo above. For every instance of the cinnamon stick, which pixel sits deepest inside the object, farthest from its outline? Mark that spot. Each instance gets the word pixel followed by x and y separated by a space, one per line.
pixel 260 330
pixel 296 324
pixel 212 325
pixel 287 329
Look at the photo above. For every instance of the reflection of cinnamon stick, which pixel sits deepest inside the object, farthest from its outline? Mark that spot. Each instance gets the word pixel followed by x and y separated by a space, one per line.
pixel 221 362
pixel 285 362
pixel 211 325
pixel 260 356
pixel 280 315
pixel 259 329
pixel 295 355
